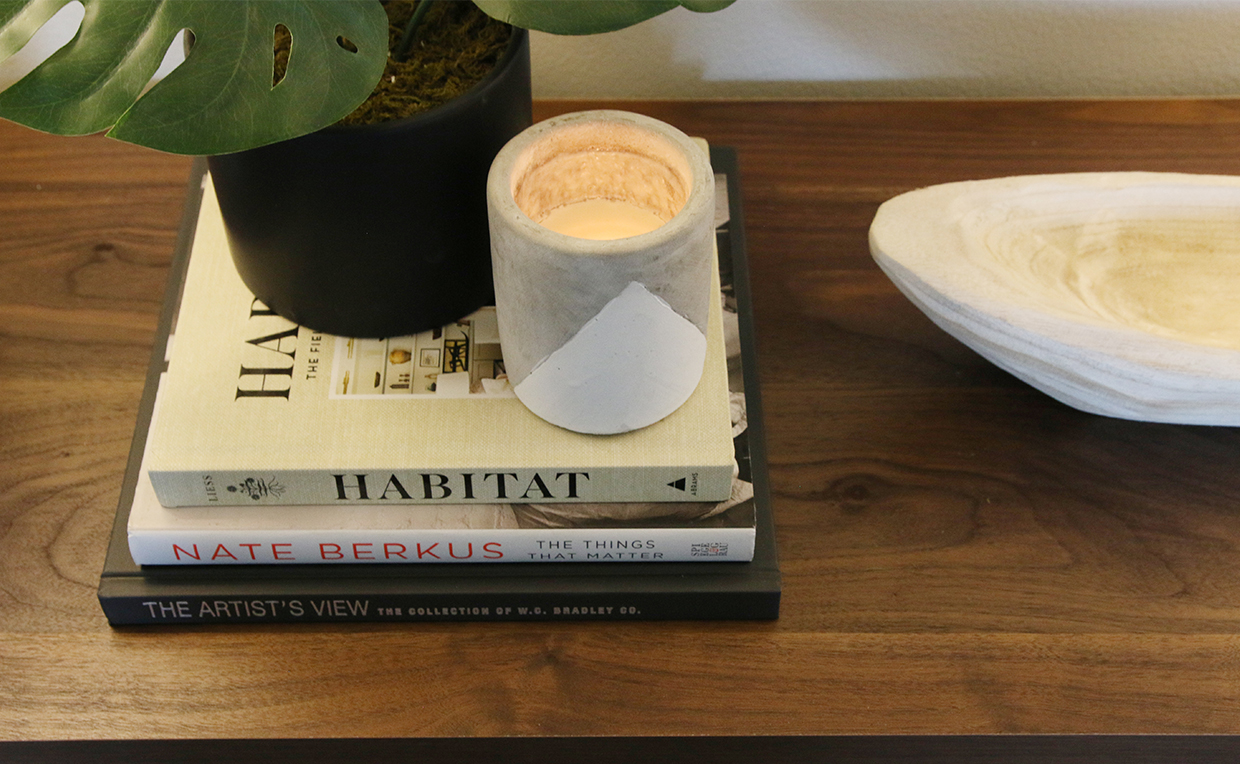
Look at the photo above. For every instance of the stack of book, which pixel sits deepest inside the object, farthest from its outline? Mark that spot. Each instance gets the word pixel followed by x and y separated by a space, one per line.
pixel 283 475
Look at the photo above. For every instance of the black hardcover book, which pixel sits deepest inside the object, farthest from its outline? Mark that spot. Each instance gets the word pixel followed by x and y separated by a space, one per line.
pixel 169 595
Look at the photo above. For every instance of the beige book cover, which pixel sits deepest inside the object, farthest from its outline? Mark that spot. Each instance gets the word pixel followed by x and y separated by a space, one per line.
pixel 387 533
pixel 257 410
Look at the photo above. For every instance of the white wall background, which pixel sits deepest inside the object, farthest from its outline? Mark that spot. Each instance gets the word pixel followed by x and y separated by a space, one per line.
pixel 882 48
pixel 914 48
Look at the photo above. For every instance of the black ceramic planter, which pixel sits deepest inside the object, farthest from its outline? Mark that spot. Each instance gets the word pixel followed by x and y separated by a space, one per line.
pixel 379 230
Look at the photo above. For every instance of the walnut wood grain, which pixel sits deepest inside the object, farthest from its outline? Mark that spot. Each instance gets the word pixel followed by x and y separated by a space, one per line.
pixel 962 555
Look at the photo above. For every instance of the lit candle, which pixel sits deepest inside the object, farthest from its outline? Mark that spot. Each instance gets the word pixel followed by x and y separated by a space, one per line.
pixel 600 219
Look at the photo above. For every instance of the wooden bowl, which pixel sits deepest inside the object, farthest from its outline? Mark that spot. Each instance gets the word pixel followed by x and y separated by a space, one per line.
pixel 1116 293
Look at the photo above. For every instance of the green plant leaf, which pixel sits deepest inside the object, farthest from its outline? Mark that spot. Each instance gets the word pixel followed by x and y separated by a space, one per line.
pixel 221 98
pixel 581 17
pixel 706 6
pixel 20 20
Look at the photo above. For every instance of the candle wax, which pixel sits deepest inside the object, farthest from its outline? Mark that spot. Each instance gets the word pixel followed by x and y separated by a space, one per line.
pixel 601 219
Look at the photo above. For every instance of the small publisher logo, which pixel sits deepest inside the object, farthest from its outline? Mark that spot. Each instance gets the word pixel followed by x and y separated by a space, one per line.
pixel 708 550
pixel 257 488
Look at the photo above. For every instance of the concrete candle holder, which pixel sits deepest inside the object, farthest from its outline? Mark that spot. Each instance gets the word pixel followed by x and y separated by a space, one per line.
pixel 602 231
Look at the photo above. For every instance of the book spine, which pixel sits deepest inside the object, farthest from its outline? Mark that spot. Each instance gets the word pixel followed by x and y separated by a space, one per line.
pixel 709 483
pixel 396 546
pixel 123 607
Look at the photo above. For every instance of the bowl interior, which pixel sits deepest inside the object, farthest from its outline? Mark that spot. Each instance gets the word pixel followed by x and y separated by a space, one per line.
pixel 1163 260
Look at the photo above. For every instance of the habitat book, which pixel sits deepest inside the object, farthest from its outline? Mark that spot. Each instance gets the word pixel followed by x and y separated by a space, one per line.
pixel 378 533
pixel 256 410
pixel 539 590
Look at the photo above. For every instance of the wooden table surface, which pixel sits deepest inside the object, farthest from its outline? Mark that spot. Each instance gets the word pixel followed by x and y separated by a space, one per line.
pixel 962 555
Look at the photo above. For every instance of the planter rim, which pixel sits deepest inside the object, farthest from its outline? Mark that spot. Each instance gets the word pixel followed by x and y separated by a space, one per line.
pixel 444 111
pixel 702 193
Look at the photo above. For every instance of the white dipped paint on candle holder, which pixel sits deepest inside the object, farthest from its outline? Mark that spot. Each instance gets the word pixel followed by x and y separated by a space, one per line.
pixel 602 245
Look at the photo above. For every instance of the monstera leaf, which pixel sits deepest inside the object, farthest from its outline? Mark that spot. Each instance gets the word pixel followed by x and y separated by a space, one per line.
pixel 221 99
pixel 580 17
